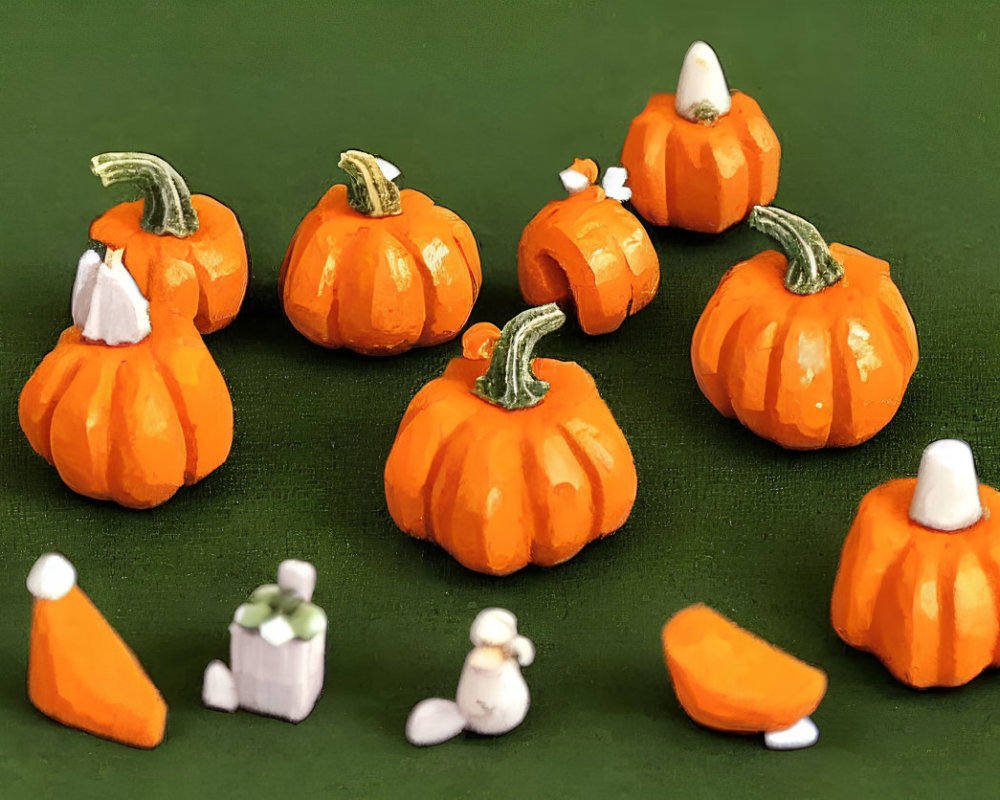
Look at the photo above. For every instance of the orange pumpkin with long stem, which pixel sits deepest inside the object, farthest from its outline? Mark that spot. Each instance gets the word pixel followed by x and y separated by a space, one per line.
pixel 919 578
pixel 506 461
pixel 700 159
pixel 588 250
pixel 129 406
pixel 809 349
pixel 378 270
pixel 194 237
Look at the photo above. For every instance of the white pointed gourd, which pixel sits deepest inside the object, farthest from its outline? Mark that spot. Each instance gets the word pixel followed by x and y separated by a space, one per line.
pixel 702 92
pixel 946 497
pixel 107 305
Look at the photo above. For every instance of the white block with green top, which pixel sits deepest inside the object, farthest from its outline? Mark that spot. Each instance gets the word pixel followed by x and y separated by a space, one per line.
pixel 277 649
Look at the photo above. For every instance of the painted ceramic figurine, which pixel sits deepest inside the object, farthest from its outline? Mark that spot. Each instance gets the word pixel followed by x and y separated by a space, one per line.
pixel 80 672
pixel 587 250
pixel 810 347
pixel 492 696
pixel 277 650
pixel 919 577
pixel 701 158
pixel 508 460
pixel 730 680
pixel 129 406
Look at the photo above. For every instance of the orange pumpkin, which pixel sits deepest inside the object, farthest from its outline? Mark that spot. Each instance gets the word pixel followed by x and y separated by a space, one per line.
pixel 377 270
pixel 194 236
pixel 694 165
pixel 505 461
pixel 588 250
pixel 131 421
pixel 809 349
pixel 925 601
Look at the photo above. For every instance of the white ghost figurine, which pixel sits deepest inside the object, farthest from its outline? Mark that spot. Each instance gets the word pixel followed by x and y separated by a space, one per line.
pixel 492 697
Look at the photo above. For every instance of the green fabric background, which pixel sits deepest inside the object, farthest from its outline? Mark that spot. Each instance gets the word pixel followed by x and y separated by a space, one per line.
pixel 889 124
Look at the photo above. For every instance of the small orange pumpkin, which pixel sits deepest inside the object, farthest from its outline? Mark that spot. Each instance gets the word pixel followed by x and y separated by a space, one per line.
pixel 810 349
pixel 506 461
pixel 919 592
pixel 378 270
pixel 700 159
pixel 128 407
pixel 589 250
pixel 195 237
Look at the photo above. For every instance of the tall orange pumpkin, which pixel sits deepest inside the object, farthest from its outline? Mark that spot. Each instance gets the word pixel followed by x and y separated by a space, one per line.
pixel 506 461
pixel 135 419
pixel 809 349
pixel 700 159
pixel 921 594
pixel 378 270
pixel 588 250
pixel 195 237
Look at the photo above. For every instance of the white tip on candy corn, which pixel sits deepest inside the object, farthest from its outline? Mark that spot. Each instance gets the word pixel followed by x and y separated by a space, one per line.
pixel 946 497
pixel 702 91
pixel 52 577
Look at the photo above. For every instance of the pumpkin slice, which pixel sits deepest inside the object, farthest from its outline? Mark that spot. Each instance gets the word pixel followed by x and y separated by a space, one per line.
pixel 728 679
pixel 80 672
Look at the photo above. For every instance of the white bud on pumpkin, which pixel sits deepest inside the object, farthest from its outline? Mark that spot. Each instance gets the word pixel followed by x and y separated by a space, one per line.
pixel 107 305
pixel 614 186
pixel 702 91
pixel 946 497
pixel 574 182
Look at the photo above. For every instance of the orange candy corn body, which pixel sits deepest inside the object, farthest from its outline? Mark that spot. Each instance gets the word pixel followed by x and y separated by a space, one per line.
pixel 83 675
pixel 379 284
pixel 210 253
pixel 702 177
pixel 728 679
pixel 827 369
pixel 925 602
pixel 500 489
pixel 588 249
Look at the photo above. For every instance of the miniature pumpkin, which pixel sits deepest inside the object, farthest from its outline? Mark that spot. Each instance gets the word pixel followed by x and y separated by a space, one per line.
pixel 589 250
pixel 729 679
pixel 809 349
pixel 505 461
pixel 378 270
pixel 919 578
pixel 170 226
pixel 700 159
pixel 127 408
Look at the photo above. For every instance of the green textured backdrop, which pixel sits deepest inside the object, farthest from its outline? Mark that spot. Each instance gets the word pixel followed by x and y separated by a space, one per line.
pixel 889 124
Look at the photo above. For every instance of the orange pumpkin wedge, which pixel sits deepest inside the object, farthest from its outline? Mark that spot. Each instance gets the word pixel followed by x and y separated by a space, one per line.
pixel 728 679
pixel 80 672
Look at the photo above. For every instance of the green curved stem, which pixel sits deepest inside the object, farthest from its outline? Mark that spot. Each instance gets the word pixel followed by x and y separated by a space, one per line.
pixel 166 198
pixel 509 381
pixel 369 192
pixel 811 267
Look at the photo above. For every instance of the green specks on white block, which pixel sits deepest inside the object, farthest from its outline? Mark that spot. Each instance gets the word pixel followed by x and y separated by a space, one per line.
pixel 946 497
pixel 702 92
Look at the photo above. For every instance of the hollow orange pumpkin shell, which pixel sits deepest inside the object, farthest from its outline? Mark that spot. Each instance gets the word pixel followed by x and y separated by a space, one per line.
pixel 806 371
pixel 589 250
pixel 925 602
pixel 702 177
pixel 729 679
pixel 380 285
pixel 130 423
pixel 501 489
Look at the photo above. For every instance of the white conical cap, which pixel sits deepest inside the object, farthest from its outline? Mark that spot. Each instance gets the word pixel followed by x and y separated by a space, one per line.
pixel 52 577
pixel 107 305
pixel 218 690
pixel 702 91
pixel 946 497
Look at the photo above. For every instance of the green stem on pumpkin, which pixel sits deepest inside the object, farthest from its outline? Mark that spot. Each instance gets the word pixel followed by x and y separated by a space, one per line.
pixel 811 267
pixel 509 382
pixel 369 192
pixel 167 207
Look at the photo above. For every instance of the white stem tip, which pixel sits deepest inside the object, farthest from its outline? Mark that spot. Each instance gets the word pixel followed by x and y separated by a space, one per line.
pixel 947 494
pixel 803 733
pixel 52 577
pixel 702 91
